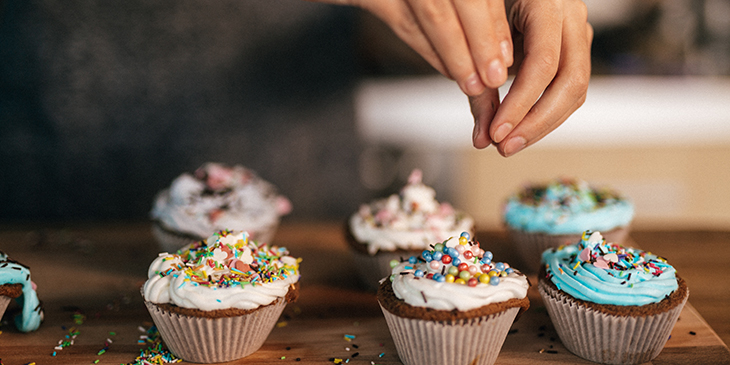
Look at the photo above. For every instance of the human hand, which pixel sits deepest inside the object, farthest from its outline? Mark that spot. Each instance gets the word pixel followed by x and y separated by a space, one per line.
pixel 468 41
pixel 552 40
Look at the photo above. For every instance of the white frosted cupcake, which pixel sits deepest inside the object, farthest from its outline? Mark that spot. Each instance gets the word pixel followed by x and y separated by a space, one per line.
pixel 541 216
pixel 401 225
pixel 218 300
pixel 15 284
pixel 609 303
pixel 213 198
pixel 452 304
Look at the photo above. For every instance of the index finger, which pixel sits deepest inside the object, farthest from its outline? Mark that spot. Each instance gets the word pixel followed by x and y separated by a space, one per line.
pixel 541 47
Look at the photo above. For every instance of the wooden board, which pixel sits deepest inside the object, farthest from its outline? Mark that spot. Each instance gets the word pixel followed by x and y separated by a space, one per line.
pixel 97 271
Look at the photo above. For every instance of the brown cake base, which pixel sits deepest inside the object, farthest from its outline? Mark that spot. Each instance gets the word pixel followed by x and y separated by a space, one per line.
pixel 11 290
pixel 398 307
pixel 7 293
pixel 291 296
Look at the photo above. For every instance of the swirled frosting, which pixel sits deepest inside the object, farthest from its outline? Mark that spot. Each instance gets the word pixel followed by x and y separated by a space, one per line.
pixel 225 271
pixel 567 206
pixel 412 219
pixel 216 197
pixel 13 272
pixel 456 274
pixel 607 273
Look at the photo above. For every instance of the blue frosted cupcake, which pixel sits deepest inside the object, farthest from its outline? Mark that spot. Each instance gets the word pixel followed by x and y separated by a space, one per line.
pixel 548 215
pixel 609 303
pixel 15 284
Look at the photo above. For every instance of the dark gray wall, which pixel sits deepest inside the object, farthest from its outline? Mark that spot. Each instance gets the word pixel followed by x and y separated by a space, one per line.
pixel 103 103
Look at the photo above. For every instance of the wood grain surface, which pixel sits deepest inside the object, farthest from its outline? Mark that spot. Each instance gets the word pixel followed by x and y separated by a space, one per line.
pixel 96 270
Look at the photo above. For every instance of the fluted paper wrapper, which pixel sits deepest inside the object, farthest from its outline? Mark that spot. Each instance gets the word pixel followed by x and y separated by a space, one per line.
pixel 4 301
pixel 373 268
pixel 171 242
pixel 605 338
pixel 474 341
pixel 211 340
pixel 530 246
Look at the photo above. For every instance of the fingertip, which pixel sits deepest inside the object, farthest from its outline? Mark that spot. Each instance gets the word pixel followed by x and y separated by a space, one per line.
pixel 473 85
pixel 496 74
pixel 506 48
pixel 479 138
pixel 514 145
pixel 502 132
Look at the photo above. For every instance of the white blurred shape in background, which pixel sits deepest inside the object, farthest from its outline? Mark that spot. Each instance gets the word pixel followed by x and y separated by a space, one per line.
pixel 620 111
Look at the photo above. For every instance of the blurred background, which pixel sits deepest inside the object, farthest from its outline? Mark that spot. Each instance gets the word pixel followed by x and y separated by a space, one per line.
pixel 104 104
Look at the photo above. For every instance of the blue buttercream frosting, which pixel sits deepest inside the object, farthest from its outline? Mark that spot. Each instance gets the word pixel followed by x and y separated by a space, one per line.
pixel 567 206
pixel 12 272
pixel 607 273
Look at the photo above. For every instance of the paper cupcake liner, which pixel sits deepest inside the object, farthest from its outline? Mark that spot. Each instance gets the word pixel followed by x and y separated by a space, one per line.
pixel 530 246
pixel 4 301
pixel 211 340
pixel 474 341
pixel 373 268
pixel 605 338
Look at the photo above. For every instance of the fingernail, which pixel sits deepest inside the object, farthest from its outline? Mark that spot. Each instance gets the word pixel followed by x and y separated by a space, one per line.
pixel 506 54
pixel 496 73
pixel 474 85
pixel 502 132
pixel 514 145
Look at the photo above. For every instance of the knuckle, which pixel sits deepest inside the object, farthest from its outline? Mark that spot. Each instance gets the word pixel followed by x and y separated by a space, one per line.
pixel 579 10
pixel 547 63
pixel 577 86
pixel 431 11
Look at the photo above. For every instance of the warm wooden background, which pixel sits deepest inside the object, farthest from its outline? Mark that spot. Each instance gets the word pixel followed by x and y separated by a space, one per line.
pixel 97 269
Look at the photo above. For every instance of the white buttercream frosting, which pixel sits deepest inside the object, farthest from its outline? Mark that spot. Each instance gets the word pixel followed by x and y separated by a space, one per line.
pixel 412 219
pixel 427 284
pixel 216 197
pixel 225 271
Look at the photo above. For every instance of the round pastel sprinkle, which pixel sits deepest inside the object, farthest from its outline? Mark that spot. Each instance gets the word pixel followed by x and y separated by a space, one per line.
pixel 394 263
pixel 465 234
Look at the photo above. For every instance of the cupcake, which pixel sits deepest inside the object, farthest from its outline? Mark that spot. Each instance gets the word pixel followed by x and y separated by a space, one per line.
pixel 549 215
pixel 401 225
pixel 452 304
pixel 609 303
pixel 15 284
pixel 217 300
pixel 214 198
